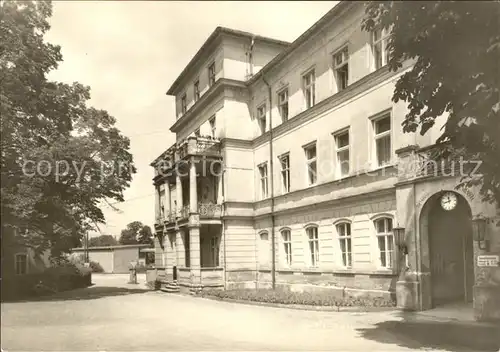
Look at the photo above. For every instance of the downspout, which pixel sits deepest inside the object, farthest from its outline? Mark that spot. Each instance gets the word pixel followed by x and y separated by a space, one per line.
pixel 271 173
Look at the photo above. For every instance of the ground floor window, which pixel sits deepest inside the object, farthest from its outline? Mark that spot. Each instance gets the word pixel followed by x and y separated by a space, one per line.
pixel 187 249
pixel 214 250
pixel 21 264
pixel 312 236
pixel 385 240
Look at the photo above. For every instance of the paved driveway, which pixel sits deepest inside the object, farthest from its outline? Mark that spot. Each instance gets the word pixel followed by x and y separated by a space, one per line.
pixel 115 316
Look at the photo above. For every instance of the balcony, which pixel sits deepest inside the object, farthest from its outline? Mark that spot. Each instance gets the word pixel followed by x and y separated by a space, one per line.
pixel 205 210
pixel 199 146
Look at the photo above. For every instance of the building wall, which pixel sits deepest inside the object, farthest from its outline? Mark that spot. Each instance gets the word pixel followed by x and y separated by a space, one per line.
pixel 123 257
pixel 104 257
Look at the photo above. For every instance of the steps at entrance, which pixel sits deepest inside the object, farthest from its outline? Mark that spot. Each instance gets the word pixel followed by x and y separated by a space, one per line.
pixel 170 286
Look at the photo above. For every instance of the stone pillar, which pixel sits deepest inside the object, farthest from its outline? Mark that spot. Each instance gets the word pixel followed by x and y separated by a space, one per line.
pixel 194 249
pixel 178 189
pixel 157 203
pixel 167 199
pixel 193 191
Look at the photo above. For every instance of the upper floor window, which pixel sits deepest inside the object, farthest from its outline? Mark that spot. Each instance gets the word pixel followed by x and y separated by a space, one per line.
pixel 211 74
pixel 213 128
pixel 344 235
pixel 341 68
pixel 342 149
pixel 196 90
pixel 261 117
pixel 283 104
pixel 310 152
pixel 382 136
pixel 285 173
pixel 313 240
pixel 162 203
pixel 380 51
pixel 21 263
pixel 263 180
pixel 184 104
pixel 385 239
pixel 308 87
pixel 287 245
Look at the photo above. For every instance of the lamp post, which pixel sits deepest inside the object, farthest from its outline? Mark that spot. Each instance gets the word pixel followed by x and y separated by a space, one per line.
pixel 479 232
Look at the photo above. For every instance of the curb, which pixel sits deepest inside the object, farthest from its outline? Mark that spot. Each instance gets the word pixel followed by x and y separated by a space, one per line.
pixel 302 307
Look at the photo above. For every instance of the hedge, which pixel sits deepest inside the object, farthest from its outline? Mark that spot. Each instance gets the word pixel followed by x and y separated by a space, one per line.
pixel 297 298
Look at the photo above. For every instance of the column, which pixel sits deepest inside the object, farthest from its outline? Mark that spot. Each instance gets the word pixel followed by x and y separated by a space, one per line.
pixel 193 192
pixel 194 253
pixel 178 189
pixel 157 203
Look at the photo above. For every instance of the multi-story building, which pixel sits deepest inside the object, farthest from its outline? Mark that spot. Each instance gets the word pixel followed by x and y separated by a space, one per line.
pixel 291 170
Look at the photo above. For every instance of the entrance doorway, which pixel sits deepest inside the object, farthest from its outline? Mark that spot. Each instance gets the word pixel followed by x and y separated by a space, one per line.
pixel 451 251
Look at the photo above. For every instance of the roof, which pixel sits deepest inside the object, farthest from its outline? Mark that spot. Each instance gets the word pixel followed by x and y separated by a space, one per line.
pixel 211 39
pixel 138 245
pixel 335 11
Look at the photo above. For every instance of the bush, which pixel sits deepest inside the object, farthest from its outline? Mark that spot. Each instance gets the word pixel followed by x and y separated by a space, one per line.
pixel 300 298
pixel 96 267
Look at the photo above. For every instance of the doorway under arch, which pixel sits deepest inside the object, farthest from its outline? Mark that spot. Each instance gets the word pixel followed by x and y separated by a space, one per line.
pixel 446 227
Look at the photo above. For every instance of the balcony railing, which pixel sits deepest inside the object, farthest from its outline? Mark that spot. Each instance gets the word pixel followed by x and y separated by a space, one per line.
pixel 184 212
pixel 209 210
pixel 199 146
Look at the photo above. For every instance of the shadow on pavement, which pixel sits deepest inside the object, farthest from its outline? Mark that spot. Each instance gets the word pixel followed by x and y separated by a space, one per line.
pixel 420 334
pixel 92 292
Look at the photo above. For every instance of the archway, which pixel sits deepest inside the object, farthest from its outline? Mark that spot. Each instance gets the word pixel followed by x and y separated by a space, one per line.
pixel 446 227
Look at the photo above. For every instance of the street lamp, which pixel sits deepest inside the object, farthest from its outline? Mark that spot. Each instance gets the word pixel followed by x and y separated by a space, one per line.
pixel 479 232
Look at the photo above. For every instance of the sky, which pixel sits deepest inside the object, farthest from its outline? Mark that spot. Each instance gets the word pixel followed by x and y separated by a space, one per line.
pixel 130 52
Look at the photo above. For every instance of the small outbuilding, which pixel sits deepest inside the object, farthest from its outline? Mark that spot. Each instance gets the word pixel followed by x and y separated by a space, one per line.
pixel 114 259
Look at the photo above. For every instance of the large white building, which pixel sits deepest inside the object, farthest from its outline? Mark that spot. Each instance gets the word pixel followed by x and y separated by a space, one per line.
pixel 290 169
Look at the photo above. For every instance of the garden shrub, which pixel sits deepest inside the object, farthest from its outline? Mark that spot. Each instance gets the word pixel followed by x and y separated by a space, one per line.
pixel 299 298
pixel 96 267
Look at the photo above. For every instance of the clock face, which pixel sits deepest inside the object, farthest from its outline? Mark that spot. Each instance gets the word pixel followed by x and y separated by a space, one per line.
pixel 449 201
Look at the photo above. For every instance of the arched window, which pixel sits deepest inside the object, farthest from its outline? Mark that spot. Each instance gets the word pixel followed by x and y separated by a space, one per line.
pixel 344 235
pixel 313 240
pixel 385 240
pixel 287 245
pixel 264 249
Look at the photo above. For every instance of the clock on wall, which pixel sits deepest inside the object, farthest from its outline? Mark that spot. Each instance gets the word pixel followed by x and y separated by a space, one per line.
pixel 449 201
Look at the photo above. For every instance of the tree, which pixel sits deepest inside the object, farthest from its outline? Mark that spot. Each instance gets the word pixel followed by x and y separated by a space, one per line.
pixel 130 234
pixel 146 236
pixel 456 49
pixel 102 241
pixel 60 158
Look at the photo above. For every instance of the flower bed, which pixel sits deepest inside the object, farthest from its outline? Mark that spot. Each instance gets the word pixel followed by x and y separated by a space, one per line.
pixel 297 298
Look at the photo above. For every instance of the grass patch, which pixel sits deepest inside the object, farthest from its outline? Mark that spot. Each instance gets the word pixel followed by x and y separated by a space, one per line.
pixel 297 298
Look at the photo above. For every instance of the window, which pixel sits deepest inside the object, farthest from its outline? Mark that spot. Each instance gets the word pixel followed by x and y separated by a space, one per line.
pixel 187 251
pixel 263 180
pixel 162 204
pixel 312 237
pixel 261 117
pixel 184 104
pixel 196 90
pixel 310 152
pixel 287 246
pixel 283 104
pixel 344 234
pixel 285 173
pixel 214 250
pixel 197 132
pixel 385 241
pixel 341 69
pixel 213 129
pixel 211 74
pixel 308 81
pixel 379 48
pixel 21 264
pixel 342 148
pixel 264 249
pixel 382 129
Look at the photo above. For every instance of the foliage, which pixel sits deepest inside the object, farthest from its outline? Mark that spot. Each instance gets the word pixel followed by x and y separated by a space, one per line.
pixel 456 49
pixel 46 125
pixel 96 267
pixel 102 241
pixel 63 277
pixel 300 298
pixel 135 233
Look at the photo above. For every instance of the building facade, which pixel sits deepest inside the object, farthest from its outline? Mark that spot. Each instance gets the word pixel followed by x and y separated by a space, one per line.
pixel 291 170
